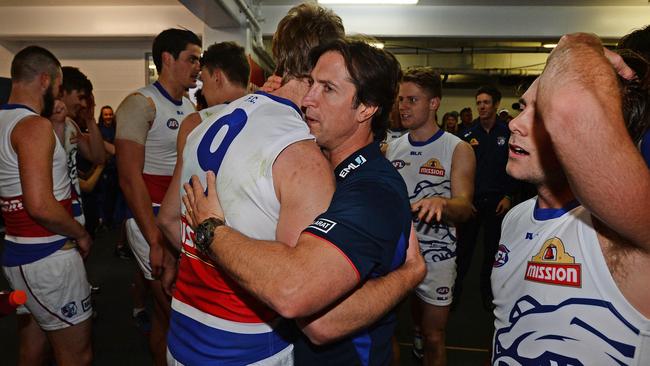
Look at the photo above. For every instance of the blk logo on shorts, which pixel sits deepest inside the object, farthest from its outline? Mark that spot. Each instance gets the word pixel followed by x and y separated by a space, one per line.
pixel 69 310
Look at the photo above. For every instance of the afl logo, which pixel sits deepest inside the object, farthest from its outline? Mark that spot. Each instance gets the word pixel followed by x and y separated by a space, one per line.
pixel 398 164
pixel 442 290
pixel 501 140
pixel 172 124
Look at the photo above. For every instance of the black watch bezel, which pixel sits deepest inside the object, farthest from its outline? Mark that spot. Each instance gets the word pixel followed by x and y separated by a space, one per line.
pixel 205 233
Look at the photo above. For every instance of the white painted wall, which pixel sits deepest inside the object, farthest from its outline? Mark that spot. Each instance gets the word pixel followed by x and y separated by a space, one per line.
pixel 114 68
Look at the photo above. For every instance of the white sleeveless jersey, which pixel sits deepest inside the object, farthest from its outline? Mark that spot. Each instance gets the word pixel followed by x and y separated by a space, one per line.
pixel 426 169
pixel 70 131
pixel 160 146
pixel 556 301
pixel 20 227
pixel 239 143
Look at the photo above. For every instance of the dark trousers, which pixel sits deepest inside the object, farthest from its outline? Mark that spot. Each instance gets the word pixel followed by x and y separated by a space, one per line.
pixel 467 238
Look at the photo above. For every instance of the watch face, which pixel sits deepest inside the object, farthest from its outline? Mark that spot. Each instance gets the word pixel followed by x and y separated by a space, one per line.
pixel 199 237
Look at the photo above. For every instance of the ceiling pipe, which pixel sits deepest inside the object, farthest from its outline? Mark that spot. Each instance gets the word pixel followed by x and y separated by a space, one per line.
pixel 405 50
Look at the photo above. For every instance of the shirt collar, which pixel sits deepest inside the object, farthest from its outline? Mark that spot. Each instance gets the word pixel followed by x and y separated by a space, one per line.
pixel 351 164
pixel 280 100
pixel 430 140
pixel 166 95
pixel 542 214
pixel 15 106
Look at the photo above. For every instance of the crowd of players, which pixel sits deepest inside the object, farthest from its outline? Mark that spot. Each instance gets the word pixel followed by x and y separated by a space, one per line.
pixel 273 229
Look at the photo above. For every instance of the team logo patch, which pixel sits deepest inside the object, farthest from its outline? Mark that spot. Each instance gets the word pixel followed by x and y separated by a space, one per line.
pixel 172 123
pixel 553 265
pixel 399 164
pixel 473 142
pixel 69 310
pixel 323 225
pixel 433 167
pixel 501 140
pixel 501 257
pixel 86 304
pixel 442 290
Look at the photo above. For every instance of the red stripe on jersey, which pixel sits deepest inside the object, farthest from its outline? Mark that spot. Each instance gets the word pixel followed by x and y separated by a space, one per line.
pixel 157 186
pixel 206 288
pixel 19 223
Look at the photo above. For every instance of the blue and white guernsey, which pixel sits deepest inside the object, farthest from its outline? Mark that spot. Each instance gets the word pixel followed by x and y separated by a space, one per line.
pixel 426 169
pixel 556 301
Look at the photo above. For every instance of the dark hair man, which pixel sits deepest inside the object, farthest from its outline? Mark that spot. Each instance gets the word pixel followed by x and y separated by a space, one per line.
pixel 570 278
pixel 44 245
pixel 279 181
pixel 493 189
pixel 358 237
pixel 438 169
pixel 79 132
pixel 224 74
pixel 147 124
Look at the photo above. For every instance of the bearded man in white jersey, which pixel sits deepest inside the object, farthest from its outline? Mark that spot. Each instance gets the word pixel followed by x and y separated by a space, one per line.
pixel 147 124
pixel 438 169
pixel 570 276
pixel 43 245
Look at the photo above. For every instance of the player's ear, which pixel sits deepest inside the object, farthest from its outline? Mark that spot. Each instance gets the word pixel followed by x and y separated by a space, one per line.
pixel 434 103
pixel 365 112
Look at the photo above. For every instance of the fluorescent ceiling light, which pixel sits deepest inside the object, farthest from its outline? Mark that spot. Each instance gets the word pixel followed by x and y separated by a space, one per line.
pixel 549 45
pixel 377 45
pixel 369 2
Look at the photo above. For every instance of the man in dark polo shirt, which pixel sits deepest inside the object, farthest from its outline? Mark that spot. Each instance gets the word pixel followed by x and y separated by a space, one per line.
pixel 360 240
pixel 492 192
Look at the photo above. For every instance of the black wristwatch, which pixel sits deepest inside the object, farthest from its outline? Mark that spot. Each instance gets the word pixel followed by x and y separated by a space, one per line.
pixel 204 234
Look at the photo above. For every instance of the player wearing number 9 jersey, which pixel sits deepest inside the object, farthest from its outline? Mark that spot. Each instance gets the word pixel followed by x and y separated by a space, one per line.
pixel 274 181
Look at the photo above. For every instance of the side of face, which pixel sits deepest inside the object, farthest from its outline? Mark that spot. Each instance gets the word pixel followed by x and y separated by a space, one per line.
pixel 51 91
pixel 211 87
pixel 329 103
pixel 185 69
pixel 486 106
pixel 416 106
pixel 59 112
pixel 74 101
pixel 531 157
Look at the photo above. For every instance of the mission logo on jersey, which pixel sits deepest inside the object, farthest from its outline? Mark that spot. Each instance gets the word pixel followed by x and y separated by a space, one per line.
pixel 433 167
pixel 553 265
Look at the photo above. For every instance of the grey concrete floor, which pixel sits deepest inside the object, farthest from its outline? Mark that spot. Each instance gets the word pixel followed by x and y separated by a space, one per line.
pixel 116 340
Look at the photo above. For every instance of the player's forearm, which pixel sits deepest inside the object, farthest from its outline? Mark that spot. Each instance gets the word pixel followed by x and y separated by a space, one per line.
pixel 280 276
pixel 584 120
pixel 50 214
pixel 457 210
pixel 363 307
pixel 169 223
pixel 95 143
pixel 138 199
pixel 109 148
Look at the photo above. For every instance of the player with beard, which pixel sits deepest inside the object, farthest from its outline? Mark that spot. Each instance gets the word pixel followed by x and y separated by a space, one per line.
pixel 570 277
pixel 44 245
